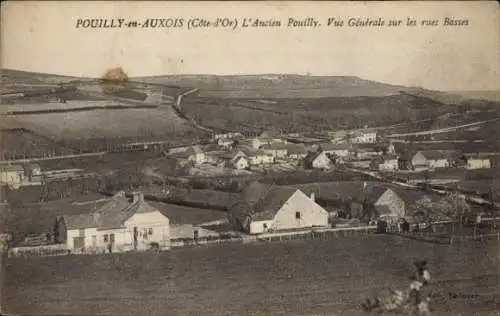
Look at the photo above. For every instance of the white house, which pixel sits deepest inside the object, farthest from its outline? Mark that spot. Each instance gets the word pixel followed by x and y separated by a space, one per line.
pixel 364 138
pixel 12 175
pixel 277 150
pixel 340 150
pixel 196 155
pixel 430 159
pixel 119 225
pixel 318 160
pixel 258 157
pixel 225 142
pixel 388 163
pixel 241 162
pixel 296 151
pixel 477 162
pixel 285 209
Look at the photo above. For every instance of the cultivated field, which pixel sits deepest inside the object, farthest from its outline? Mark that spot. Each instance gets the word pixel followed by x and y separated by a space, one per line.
pixel 305 115
pixel 289 278
pixel 101 123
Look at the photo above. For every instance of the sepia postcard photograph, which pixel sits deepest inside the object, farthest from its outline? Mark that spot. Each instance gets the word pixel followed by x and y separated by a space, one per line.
pixel 250 158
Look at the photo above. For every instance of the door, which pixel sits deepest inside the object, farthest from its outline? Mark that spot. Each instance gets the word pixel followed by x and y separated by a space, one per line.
pixel 112 240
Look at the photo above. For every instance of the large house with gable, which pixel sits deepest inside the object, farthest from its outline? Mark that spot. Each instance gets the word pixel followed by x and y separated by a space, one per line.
pixel 266 208
pixel 118 225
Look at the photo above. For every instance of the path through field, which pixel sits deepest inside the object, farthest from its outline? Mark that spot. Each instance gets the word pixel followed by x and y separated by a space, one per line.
pixel 285 278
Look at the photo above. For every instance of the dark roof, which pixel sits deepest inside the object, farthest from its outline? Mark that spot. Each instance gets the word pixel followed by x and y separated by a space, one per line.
pixel 434 154
pixel 255 191
pixel 112 214
pixel 331 146
pixel 341 190
pixel 267 207
pixel 11 168
pixel 296 149
pixel 274 146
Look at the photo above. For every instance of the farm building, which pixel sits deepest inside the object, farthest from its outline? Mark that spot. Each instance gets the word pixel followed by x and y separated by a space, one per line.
pixel 277 150
pixel 386 163
pixel 365 151
pixel 364 137
pixel 426 159
pixel 477 162
pixel 296 151
pixel 340 150
pixel 118 225
pixel 12 175
pixel 318 160
pixel 257 157
pixel 276 209
pixel 361 163
pixel 241 162
pixel 382 203
pixel 196 155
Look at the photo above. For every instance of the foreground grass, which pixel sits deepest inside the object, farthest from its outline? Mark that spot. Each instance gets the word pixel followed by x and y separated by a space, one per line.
pixel 292 278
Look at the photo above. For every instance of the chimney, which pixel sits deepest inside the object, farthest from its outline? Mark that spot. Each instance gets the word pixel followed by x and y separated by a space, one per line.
pixel 137 197
pixel 313 197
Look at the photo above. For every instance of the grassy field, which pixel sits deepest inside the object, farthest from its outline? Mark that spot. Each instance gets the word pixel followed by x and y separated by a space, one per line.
pixel 292 278
pixel 103 123
pixel 312 114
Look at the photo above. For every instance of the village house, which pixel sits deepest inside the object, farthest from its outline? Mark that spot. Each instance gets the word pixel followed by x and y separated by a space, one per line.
pixel 339 150
pixel 196 155
pixel 278 209
pixel 430 159
pixel 382 203
pixel 296 151
pixel 365 151
pixel 360 163
pixel 229 135
pixel 364 137
pixel 386 163
pixel 257 157
pixel 277 150
pixel 241 162
pixel 118 225
pixel 338 137
pixel 477 162
pixel 318 160
pixel 12 175
pixel 225 143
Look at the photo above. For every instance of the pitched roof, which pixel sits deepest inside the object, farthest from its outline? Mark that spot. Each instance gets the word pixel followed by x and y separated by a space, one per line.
pixel 255 191
pixel 440 154
pixel 296 149
pixel 331 146
pixel 112 214
pixel 274 146
pixel 272 202
pixel 11 168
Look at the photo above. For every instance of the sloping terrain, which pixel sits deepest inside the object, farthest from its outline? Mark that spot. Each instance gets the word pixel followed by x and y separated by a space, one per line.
pixel 280 278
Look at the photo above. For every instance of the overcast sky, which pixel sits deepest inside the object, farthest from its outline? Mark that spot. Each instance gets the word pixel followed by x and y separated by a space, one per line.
pixel 42 37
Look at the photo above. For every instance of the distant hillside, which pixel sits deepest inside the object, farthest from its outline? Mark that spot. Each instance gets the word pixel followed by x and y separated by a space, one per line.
pixel 278 86
pixel 481 95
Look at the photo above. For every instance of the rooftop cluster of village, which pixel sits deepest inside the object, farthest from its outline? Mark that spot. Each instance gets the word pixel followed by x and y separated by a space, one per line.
pixel 127 221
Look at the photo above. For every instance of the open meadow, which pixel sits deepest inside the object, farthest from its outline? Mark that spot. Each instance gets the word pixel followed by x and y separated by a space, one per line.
pixel 284 278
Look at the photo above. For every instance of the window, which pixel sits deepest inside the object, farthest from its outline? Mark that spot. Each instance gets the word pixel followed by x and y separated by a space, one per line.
pixel 94 241
pixel 150 231
pixel 106 238
pixel 264 225
pixel 78 242
pixel 297 215
pixel 112 238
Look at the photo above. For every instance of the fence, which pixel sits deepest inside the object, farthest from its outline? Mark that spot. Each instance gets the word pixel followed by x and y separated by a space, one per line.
pixel 48 250
pixel 318 233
